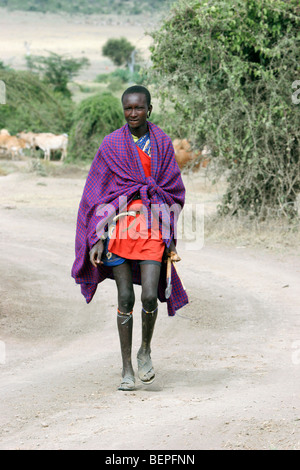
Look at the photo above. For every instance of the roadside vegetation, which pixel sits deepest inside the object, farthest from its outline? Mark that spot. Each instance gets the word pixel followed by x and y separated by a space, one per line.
pixel 40 99
pixel 227 68
pixel 31 105
pixel 222 74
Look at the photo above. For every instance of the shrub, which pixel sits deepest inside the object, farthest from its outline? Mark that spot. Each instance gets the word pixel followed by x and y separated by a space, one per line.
pixel 94 118
pixel 227 68
pixel 115 84
pixel 102 78
pixel 31 106
pixel 139 76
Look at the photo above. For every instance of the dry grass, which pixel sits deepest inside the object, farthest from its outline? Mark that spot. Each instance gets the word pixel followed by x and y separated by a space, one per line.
pixel 277 234
pixel 273 233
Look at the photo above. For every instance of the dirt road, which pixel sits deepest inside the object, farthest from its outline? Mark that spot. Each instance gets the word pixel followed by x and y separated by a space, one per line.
pixel 227 365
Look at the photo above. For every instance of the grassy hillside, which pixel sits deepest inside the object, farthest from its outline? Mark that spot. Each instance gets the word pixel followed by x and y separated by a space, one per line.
pixel 87 6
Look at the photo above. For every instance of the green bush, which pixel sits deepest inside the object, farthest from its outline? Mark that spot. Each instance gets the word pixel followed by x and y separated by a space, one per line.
pixel 138 77
pixel 94 118
pixel 122 74
pixel 115 84
pixel 102 78
pixel 3 66
pixel 227 68
pixel 32 106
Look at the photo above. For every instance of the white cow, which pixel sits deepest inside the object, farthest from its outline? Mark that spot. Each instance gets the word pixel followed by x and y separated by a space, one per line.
pixel 47 142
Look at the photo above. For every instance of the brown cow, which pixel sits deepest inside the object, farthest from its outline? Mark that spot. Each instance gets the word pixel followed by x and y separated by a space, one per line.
pixel 186 157
pixel 28 137
pixel 12 145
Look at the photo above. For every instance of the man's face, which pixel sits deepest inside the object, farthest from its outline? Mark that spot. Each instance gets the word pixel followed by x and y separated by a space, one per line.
pixel 135 110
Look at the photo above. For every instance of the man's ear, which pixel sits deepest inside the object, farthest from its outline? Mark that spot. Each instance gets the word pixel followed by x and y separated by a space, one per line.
pixel 150 110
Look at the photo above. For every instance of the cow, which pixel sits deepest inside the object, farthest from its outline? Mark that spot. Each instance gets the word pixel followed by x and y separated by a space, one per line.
pixel 28 137
pixel 47 142
pixel 12 145
pixel 186 157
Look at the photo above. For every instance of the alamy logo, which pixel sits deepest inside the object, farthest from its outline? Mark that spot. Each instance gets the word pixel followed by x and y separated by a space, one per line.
pixel 188 223
pixel 2 92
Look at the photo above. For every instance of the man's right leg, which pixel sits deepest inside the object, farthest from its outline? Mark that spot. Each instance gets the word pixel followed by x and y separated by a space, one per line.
pixel 123 278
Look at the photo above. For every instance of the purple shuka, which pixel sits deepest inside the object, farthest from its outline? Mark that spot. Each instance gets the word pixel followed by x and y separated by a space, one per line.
pixel 117 172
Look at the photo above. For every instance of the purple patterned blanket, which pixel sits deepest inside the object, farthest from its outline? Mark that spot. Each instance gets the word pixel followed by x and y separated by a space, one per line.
pixel 116 174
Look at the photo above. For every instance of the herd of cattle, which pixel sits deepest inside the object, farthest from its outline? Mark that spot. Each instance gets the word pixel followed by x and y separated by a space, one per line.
pixel 13 146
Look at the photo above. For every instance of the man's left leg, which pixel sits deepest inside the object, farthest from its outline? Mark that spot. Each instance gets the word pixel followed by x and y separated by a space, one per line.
pixel 150 274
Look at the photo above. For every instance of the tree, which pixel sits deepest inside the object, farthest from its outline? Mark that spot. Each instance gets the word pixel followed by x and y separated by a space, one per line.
pixel 57 70
pixel 118 50
pixel 227 67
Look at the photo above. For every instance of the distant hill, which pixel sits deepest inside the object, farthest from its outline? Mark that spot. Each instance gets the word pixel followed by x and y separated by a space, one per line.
pixel 131 7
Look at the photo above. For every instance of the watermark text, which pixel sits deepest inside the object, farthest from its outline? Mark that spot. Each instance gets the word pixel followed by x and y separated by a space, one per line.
pixel 185 224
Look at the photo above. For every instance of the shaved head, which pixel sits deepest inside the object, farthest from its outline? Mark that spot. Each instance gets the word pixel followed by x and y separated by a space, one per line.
pixel 138 89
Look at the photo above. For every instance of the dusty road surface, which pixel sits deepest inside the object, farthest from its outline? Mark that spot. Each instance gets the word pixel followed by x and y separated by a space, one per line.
pixel 227 365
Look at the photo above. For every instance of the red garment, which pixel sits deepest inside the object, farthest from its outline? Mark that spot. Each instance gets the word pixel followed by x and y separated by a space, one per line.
pixel 137 242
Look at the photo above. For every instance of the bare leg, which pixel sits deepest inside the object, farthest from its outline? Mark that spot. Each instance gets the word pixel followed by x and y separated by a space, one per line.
pixel 150 276
pixel 123 278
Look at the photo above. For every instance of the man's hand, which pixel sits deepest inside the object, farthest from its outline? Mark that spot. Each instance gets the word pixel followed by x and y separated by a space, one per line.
pixel 172 247
pixel 172 252
pixel 96 253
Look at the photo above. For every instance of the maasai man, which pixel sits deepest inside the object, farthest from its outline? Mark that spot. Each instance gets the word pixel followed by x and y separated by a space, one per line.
pixel 126 226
